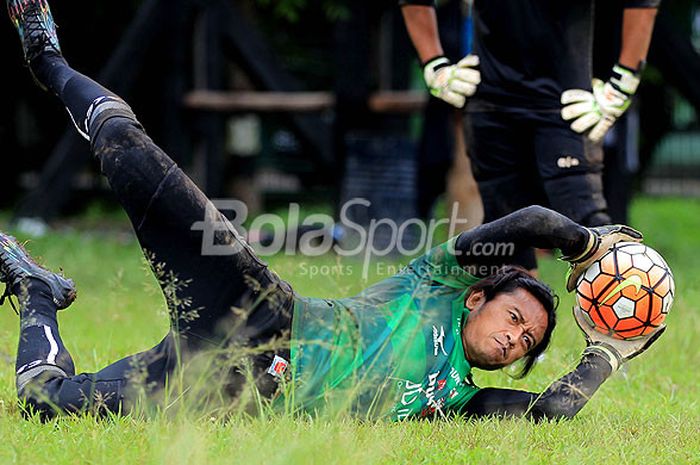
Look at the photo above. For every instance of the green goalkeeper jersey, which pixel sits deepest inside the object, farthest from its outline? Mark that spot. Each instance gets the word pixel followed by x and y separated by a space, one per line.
pixel 395 350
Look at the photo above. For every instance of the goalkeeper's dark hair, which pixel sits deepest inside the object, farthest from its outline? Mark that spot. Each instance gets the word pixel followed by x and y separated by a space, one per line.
pixel 510 278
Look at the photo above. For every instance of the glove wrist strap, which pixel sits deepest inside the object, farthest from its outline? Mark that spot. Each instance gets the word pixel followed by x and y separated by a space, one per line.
pixel 607 353
pixel 437 62
pixel 588 251
pixel 640 67
pixel 625 79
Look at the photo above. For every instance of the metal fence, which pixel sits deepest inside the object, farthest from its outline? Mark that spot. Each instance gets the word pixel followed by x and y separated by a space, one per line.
pixel 674 168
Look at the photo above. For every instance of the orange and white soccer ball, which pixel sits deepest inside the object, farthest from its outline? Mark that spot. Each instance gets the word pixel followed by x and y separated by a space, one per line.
pixel 628 292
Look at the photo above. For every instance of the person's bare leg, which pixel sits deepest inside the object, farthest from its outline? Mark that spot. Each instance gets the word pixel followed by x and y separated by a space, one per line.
pixel 462 190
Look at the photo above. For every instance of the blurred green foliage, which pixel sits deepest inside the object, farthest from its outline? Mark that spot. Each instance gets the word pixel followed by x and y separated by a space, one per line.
pixel 292 10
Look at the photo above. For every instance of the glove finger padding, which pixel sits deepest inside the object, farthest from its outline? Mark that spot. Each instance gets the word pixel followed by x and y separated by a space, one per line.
pixel 613 233
pixel 576 95
pixel 580 106
pixel 641 345
pixel 464 88
pixel 471 76
pixel 585 122
pixel 468 61
pixel 574 110
pixel 617 351
pixel 599 131
pixel 453 98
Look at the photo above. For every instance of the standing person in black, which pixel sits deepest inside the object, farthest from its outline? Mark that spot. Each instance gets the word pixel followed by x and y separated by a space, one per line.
pixel 535 117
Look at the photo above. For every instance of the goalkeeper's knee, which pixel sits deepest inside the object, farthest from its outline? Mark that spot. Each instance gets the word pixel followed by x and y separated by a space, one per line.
pixel 105 109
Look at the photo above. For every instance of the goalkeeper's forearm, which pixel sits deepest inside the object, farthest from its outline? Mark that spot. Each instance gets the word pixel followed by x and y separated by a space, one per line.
pixel 563 399
pixel 506 237
pixel 637 28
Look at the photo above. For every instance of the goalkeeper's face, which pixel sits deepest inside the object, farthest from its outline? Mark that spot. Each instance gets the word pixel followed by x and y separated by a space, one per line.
pixel 503 329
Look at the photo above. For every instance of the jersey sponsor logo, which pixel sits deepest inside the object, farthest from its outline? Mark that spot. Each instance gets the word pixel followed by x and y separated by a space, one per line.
pixel 278 367
pixel 438 340
pixel 568 162
pixel 403 413
pixel 430 409
pixel 454 374
pixel 441 384
pixel 413 390
pixel 412 393
pixel 633 280
pixel 453 393
pixel 430 390
pixel 434 404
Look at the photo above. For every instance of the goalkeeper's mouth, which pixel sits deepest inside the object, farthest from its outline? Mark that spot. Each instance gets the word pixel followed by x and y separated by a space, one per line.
pixel 501 350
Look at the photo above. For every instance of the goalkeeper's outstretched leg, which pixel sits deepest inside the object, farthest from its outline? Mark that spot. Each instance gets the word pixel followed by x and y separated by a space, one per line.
pixel 163 205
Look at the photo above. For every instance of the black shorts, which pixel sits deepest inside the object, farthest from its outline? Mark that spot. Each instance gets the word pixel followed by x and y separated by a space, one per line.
pixel 521 157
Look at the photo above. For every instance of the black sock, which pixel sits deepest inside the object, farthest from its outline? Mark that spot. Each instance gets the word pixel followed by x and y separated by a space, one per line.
pixel 76 90
pixel 39 341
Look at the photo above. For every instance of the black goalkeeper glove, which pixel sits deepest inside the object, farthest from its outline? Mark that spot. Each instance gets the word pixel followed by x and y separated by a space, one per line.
pixel 615 351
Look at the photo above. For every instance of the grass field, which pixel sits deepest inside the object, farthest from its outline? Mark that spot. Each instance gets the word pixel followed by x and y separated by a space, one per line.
pixel 649 412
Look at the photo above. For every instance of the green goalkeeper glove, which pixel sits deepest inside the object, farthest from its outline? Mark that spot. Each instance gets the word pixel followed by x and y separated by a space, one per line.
pixel 600 240
pixel 615 351
pixel 597 111
pixel 452 83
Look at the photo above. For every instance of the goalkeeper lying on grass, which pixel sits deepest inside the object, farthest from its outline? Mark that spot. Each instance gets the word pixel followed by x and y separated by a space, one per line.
pixel 403 348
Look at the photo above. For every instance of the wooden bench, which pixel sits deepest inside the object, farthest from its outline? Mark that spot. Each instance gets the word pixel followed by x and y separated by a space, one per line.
pixel 298 102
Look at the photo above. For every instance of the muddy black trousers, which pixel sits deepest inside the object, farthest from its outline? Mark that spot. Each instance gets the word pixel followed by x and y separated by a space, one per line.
pixel 222 299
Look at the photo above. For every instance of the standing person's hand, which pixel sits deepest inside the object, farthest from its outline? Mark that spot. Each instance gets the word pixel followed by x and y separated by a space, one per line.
pixel 452 83
pixel 597 111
